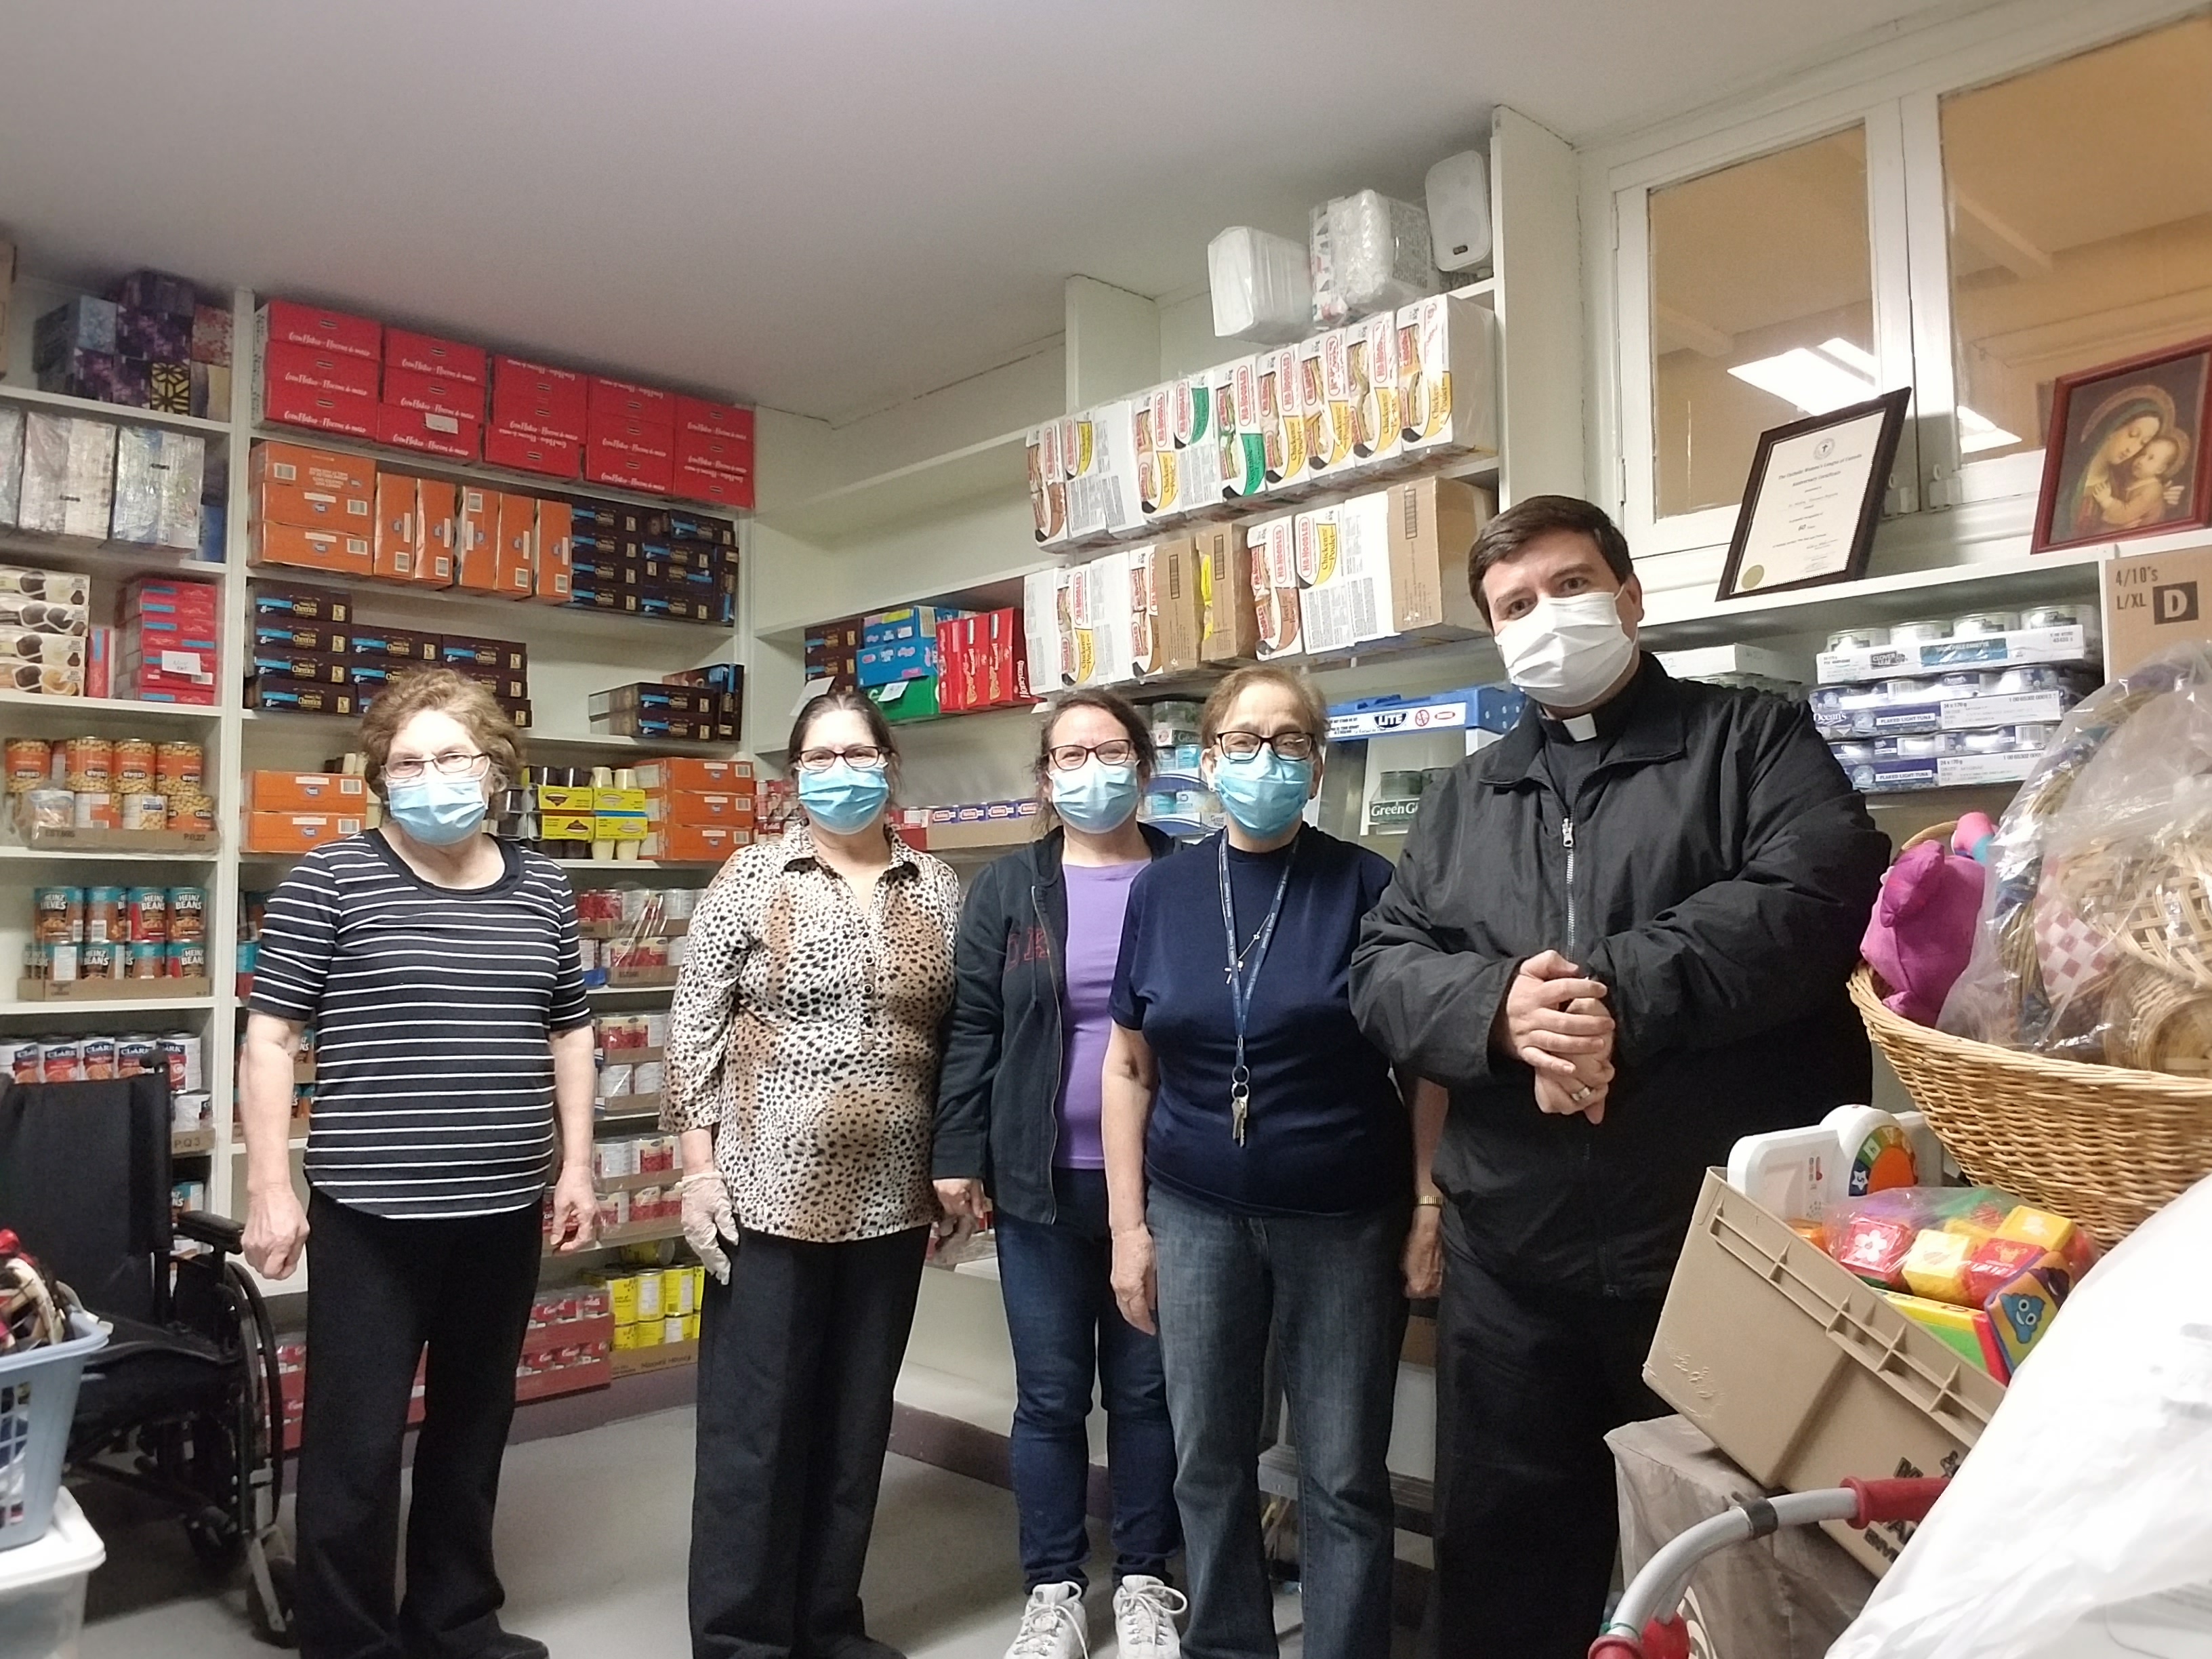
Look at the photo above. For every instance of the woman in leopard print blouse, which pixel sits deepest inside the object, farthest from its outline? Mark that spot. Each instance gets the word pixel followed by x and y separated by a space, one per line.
pixel 802 1049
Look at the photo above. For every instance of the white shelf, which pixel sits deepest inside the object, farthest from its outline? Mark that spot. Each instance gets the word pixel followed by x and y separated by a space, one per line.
pixel 106 558
pixel 117 414
pixel 11 698
pixel 425 605
pixel 995 466
pixel 11 1008
pixel 101 855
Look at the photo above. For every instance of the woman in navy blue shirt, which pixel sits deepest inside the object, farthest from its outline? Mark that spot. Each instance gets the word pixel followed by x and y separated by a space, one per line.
pixel 1261 1172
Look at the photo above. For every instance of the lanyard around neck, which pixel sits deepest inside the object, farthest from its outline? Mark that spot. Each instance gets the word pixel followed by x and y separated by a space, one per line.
pixel 1244 975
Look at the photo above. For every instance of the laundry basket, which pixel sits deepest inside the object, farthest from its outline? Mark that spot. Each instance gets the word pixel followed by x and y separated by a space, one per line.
pixel 38 1398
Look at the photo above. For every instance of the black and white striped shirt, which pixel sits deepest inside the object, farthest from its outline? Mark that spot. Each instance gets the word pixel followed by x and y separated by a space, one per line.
pixel 432 1008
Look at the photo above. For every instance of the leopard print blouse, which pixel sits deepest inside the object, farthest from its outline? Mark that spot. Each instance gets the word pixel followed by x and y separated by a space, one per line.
pixel 807 1035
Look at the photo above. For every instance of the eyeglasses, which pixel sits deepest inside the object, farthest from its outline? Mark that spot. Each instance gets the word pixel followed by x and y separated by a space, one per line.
pixel 1070 756
pixel 862 757
pixel 1289 745
pixel 454 763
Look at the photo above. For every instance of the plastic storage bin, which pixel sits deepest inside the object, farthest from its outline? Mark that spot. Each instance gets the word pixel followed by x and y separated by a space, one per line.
pixel 38 1397
pixel 42 1587
pixel 1802 1374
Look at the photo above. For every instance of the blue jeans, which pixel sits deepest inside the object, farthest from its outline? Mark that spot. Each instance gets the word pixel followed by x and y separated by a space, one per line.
pixel 1330 1290
pixel 1057 1279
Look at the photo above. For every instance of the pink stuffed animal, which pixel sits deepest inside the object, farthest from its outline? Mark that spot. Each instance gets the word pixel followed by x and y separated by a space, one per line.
pixel 1922 931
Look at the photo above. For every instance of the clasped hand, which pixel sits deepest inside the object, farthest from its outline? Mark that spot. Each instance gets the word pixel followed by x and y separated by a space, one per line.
pixel 1555 1022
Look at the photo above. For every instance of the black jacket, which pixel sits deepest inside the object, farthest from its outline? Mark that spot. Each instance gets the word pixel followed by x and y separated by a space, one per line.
pixel 1718 871
pixel 997 1094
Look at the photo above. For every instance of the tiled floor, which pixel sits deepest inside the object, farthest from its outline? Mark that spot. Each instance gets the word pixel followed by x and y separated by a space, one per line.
pixel 592 1533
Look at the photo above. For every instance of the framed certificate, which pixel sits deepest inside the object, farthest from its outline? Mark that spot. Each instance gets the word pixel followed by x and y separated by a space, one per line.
pixel 1814 499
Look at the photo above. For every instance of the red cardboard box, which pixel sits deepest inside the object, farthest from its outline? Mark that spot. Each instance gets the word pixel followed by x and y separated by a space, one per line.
pixel 555 458
pixel 294 483
pixel 311 550
pixel 724 490
pixel 696 415
pixel 556 553
pixel 1002 659
pixel 454 436
pixel 436 394
pixel 319 368
pixel 343 412
pixel 476 541
pixel 426 353
pixel 955 655
pixel 514 568
pixel 531 398
pixel 289 322
pixel 629 463
pixel 620 400
pixel 437 506
pixel 394 548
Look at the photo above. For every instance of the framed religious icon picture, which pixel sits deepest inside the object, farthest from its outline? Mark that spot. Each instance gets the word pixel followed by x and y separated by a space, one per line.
pixel 2125 454
pixel 1814 498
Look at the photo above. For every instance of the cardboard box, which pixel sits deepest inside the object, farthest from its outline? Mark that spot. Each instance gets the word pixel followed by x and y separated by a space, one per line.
pixel 556 554
pixel 292 483
pixel 437 505
pixel 341 552
pixel 393 548
pixel 2066 644
pixel 434 394
pixel 1325 390
pixel 288 322
pixel 1048 484
pixel 1801 1373
pixel 2153 601
pixel 697 417
pixel 312 369
pixel 696 844
pixel 1372 364
pixel 1158 478
pixel 711 776
pixel 211 336
pixel 281 633
pixel 1271 565
pixel 694 808
pixel 1049 631
pixel 297 697
pixel 273 603
pixel 567 826
pixel 1232 628
pixel 903 701
pixel 298 832
pixel 315 667
pixel 655 697
pixel 323 410
pixel 618 400
pixel 1448 376
pixel 1282 421
pixel 1243 430
pixel 454 436
pixel 694 483
pixel 956 666
pixel 476 540
pixel 538 400
pixel 634 457
pixel 515 562
pixel 1100 607
pixel 426 353
pixel 393 645
pixel 1103 496
pixel 1177 601
pixel 306 792
pixel 619 826
pixel 913 622
pixel 1432 525
pixel 470 651
pixel 1343 562
pixel 554 457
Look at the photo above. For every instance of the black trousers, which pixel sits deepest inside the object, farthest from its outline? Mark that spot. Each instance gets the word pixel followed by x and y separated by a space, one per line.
pixel 798 1355
pixel 1529 1384
pixel 378 1291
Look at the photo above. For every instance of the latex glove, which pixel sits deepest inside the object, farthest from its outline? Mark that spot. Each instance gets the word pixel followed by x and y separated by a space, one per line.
pixel 707 1220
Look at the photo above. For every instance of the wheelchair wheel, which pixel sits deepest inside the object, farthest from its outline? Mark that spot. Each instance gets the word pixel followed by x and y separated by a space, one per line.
pixel 274 1627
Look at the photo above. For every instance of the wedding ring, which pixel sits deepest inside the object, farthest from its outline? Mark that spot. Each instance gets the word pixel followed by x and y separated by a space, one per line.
pixel 1582 1094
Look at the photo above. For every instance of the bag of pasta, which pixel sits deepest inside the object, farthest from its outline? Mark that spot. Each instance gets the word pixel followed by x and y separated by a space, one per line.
pixel 2095 942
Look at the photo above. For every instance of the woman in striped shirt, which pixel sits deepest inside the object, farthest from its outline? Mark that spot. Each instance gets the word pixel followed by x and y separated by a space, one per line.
pixel 439 969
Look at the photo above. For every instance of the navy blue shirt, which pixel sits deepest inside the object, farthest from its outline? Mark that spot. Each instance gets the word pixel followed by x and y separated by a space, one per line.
pixel 1328 1132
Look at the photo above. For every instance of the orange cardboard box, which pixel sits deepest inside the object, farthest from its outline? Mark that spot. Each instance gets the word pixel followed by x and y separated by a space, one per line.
pixel 306 792
pixel 696 776
pixel 688 807
pixel 297 832
pixel 437 506
pixel 514 566
pixel 555 552
pixel 295 485
pixel 697 843
pixel 476 541
pixel 311 550
pixel 398 528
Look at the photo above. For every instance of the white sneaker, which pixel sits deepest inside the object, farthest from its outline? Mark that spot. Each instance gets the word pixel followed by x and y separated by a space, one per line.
pixel 1144 1612
pixel 1054 1625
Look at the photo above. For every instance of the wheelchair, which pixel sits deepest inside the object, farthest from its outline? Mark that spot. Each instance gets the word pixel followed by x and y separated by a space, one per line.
pixel 184 1404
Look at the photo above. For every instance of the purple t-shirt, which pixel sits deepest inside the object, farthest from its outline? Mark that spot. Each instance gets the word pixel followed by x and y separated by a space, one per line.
pixel 1098 897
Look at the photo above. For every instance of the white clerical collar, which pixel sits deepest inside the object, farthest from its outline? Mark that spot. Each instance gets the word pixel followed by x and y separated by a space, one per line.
pixel 1581 727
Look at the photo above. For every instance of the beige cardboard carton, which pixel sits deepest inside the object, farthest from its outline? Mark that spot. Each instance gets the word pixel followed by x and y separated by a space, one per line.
pixel 1282 422
pixel 1343 555
pixel 1198 449
pixel 2154 601
pixel 1048 484
pixel 1177 598
pixel 1271 554
pixel 1099 606
pixel 1048 629
pixel 1104 496
pixel 1379 433
pixel 1244 432
pixel 1448 375
pixel 1159 474
pixel 1432 524
pixel 1231 625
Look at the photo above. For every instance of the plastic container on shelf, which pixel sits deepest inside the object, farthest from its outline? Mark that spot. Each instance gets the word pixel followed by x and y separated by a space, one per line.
pixel 42 1587
pixel 1262 290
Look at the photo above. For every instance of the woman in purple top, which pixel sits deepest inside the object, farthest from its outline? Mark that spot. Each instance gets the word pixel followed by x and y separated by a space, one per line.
pixel 1018 1116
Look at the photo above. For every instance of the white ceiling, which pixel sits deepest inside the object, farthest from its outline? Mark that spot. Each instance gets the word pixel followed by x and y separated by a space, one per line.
pixel 822 205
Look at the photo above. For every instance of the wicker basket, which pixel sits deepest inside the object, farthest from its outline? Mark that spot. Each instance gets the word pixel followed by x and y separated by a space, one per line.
pixel 2102 1144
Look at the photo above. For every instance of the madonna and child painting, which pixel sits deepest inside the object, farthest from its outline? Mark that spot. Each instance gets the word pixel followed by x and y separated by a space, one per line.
pixel 2126 455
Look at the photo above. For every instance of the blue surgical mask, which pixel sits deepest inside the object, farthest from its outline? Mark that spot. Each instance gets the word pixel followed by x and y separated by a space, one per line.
pixel 1264 792
pixel 437 811
pixel 845 799
pixel 1095 797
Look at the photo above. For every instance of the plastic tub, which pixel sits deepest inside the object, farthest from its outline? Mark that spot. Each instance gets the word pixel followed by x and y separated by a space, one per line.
pixel 38 1397
pixel 42 1586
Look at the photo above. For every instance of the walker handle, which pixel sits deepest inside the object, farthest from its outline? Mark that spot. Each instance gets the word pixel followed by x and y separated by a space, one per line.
pixel 1895 1500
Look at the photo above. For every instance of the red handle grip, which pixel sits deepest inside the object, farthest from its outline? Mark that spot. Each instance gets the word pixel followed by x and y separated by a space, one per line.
pixel 1896 1500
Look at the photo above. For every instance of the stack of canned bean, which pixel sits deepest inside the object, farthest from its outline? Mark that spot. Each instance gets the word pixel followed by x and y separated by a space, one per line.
pixel 117 934
pixel 103 783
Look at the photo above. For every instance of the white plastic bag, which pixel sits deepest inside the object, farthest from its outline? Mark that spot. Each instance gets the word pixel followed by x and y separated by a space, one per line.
pixel 1262 290
pixel 1368 253
pixel 2092 1488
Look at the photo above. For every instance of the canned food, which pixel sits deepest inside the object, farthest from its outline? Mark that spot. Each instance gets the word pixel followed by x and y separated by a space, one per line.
pixel 648 1298
pixel 181 1051
pixel 58 914
pixel 2053 616
pixel 98 960
pixel 134 1055
pixel 45 809
pixel 145 811
pixel 99 1057
pixel 133 766
pixel 188 959
pixel 194 812
pixel 61 1062
pixel 107 913
pixel 61 961
pixel 187 913
pixel 180 765
pixel 30 763
pixel 25 1064
pixel 93 809
pixel 1983 624
pixel 149 914
pixel 671 1329
pixel 37 960
pixel 676 1291
pixel 89 764
pixel 150 958
pixel 622 1296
